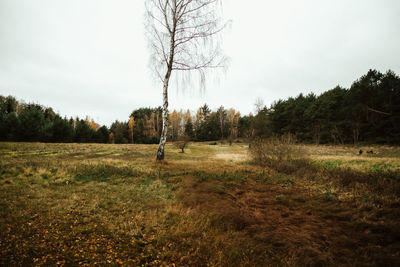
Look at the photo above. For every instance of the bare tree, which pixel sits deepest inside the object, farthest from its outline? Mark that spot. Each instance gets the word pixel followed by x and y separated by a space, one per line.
pixel 182 35
pixel 259 104
pixel 182 143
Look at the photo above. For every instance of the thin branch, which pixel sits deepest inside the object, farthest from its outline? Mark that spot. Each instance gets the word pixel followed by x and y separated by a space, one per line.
pixel 377 111
pixel 182 36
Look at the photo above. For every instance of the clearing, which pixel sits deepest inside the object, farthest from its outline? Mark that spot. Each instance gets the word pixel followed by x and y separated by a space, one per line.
pixel 93 204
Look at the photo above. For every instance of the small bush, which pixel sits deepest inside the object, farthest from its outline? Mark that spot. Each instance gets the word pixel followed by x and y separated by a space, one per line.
pixel 276 152
pixel 182 143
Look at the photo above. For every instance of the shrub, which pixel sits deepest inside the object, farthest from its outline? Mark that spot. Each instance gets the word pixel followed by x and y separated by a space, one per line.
pixel 275 151
pixel 182 143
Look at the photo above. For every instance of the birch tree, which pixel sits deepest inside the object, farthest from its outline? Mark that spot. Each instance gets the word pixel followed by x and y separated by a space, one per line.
pixel 183 36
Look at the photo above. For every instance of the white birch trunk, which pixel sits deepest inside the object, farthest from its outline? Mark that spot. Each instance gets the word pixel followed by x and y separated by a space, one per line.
pixel 163 138
pixel 185 27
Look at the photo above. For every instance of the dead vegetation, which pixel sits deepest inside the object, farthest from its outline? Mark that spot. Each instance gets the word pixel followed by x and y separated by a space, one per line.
pixel 272 151
pixel 182 143
pixel 71 204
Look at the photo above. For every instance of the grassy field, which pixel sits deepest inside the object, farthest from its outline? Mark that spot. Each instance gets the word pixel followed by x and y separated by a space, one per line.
pixel 92 204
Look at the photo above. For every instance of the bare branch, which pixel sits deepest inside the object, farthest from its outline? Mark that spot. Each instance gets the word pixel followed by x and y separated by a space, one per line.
pixel 377 111
pixel 183 36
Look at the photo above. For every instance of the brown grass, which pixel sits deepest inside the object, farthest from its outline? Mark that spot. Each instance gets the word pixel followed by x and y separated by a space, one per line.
pixel 78 204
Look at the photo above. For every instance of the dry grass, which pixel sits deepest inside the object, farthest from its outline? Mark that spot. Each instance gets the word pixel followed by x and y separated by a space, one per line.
pixel 88 204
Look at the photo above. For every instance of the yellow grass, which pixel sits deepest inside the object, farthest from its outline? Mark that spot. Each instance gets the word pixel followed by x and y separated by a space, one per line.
pixel 88 204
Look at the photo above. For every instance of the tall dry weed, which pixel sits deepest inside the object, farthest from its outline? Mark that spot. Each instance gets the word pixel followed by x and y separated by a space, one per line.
pixel 275 150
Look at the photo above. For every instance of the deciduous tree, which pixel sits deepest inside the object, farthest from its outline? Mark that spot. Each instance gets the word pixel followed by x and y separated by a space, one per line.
pixel 131 125
pixel 181 34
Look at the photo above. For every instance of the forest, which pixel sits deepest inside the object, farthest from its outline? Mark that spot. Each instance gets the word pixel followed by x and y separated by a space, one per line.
pixel 368 111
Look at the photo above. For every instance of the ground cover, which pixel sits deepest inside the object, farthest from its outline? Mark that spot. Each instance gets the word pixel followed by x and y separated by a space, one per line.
pixel 89 204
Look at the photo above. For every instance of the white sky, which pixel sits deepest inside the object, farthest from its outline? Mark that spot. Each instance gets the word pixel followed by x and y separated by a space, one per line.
pixel 90 57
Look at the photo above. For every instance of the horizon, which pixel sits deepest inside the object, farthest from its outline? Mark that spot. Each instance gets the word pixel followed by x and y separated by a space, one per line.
pixel 192 111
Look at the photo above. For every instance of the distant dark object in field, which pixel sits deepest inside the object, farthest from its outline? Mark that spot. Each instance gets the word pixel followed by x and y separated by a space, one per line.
pixel 360 152
pixel 370 152
pixel 213 143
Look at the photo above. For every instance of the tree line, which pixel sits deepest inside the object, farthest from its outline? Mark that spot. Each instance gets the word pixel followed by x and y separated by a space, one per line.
pixel 36 123
pixel 145 125
pixel 369 111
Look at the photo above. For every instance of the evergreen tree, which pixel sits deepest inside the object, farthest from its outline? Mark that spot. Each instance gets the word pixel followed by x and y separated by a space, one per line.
pixel 32 123
pixel 102 135
pixel 83 132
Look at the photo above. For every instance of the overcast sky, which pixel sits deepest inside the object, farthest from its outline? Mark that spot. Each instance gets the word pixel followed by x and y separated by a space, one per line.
pixel 90 57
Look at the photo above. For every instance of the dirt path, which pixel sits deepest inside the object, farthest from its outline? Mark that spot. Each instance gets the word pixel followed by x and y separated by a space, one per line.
pixel 288 224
